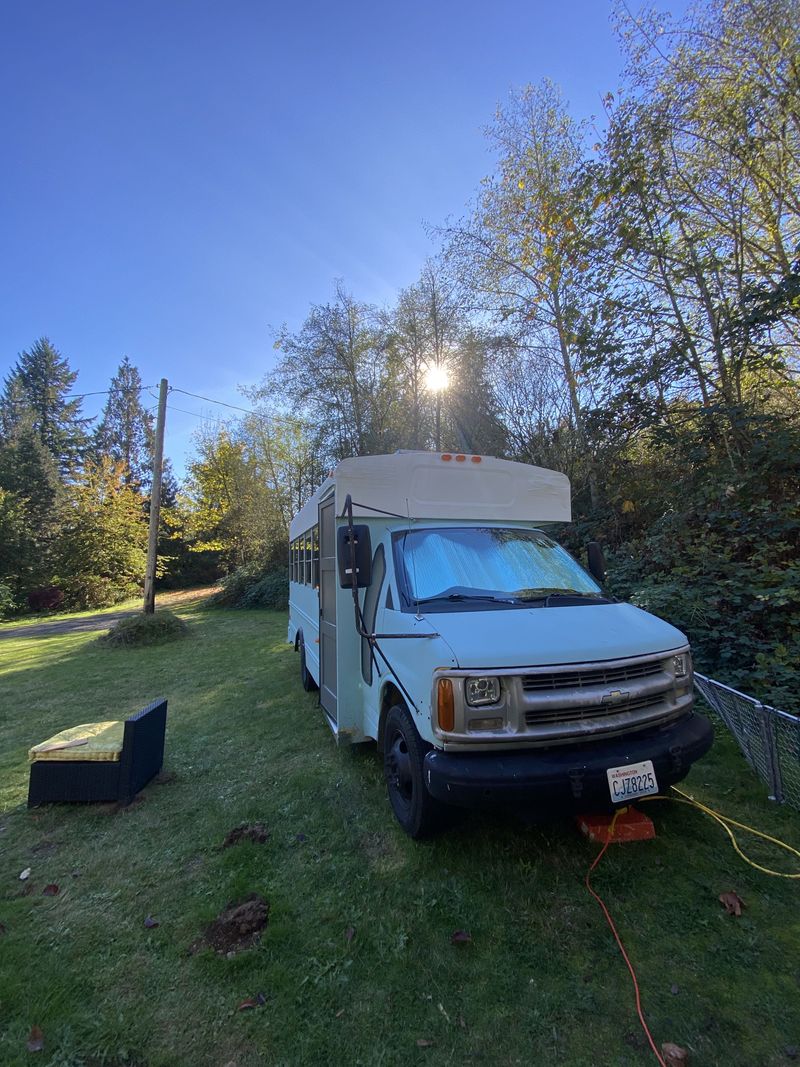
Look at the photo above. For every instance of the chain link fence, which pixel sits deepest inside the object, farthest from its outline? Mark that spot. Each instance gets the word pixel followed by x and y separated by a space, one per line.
pixel 769 738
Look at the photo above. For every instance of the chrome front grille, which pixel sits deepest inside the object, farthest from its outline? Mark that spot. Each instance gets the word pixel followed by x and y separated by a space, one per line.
pixel 581 679
pixel 596 700
pixel 596 711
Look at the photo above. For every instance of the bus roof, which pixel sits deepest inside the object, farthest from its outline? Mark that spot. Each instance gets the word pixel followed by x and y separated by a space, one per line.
pixel 442 485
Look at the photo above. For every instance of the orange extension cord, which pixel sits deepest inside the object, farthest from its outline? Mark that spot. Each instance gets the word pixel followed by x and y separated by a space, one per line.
pixel 726 823
pixel 618 939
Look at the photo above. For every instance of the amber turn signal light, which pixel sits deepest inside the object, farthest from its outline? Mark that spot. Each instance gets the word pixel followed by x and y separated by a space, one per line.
pixel 445 705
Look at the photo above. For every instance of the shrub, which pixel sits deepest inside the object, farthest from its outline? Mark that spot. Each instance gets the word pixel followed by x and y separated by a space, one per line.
pixel 138 630
pixel 271 592
pixel 250 586
pixel 7 603
pixel 45 598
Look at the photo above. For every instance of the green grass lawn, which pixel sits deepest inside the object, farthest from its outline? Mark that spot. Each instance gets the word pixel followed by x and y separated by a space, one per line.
pixel 541 981
pixel 166 599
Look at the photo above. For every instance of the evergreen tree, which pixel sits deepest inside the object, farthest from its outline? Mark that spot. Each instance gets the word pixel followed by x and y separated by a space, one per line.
pixel 35 394
pixel 30 491
pixel 125 433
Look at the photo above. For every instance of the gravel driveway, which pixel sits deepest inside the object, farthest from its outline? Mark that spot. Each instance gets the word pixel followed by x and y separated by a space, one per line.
pixel 101 621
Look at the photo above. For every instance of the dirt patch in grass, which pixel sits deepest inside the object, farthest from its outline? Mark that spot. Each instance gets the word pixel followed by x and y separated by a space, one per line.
pixel 255 832
pixel 236 928
pixel 381 851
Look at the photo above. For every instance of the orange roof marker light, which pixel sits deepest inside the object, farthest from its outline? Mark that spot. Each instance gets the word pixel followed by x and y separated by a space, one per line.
pixel 476 459
pixel 460 459
pixel 446 457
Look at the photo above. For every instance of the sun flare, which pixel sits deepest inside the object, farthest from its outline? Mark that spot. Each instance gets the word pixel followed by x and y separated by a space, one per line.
pixel 436 379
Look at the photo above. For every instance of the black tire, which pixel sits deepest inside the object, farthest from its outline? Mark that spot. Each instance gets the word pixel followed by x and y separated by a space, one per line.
pixel 306 678
pixel 415 809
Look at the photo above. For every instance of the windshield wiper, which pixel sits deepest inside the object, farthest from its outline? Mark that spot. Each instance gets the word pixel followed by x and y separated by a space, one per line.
pixel 463 596
pixel 526 596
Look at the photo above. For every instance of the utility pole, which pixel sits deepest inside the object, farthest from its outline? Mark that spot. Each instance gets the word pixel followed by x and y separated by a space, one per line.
pixel 155 502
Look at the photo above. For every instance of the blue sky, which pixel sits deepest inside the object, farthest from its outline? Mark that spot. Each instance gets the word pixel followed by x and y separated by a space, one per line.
pixel 178 176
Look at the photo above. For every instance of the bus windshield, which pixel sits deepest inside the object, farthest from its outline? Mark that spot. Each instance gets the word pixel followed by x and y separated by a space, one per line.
pixel 490 563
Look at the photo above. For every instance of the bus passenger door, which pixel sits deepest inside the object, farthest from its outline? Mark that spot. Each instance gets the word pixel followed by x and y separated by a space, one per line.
pixel 327 609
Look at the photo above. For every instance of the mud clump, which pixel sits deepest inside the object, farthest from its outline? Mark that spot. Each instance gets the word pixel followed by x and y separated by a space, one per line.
pixel 237 927
pixel 255 832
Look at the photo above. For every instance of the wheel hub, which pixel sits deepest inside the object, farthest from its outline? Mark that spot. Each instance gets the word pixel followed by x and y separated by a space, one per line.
pixel 398 766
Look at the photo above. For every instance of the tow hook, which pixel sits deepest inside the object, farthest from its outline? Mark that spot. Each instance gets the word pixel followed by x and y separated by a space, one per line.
pixel 676 755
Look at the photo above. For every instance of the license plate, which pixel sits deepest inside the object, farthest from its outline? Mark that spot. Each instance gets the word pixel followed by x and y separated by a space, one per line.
pixel 636 780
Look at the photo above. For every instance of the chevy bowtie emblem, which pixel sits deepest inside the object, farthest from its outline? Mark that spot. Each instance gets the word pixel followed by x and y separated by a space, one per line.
pixel 616 696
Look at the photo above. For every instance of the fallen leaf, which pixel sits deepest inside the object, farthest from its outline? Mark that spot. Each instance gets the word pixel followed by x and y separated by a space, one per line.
pixel 247 1004
pixel 732 903
pixel 349 934
pixel 460 937
pixel 261 1000
pixel 340 1013
pixel 25 874
pixel 424 1042
pixel 150 922
pixel 674 1055
pixel 51 890
pixel 35 1039
pixel 674 990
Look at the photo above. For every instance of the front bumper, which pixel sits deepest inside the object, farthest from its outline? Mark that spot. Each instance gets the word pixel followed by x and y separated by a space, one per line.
pixel 566 779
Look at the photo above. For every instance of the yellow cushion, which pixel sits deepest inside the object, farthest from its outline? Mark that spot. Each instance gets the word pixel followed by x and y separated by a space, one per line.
pixel 92 741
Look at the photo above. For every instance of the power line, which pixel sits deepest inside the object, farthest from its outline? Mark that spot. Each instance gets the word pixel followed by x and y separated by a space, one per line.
pixel 101 392
pixel 183 411
pixel 222 403
pixel 234 407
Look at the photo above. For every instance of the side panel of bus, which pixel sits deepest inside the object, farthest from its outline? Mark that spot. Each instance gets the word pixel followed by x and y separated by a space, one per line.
pixel 304 596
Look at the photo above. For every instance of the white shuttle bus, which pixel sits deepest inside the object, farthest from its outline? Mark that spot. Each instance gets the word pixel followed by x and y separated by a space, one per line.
pixel 437 619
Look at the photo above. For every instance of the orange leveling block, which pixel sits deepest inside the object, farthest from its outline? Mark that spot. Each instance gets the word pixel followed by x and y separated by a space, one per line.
pixel 630 825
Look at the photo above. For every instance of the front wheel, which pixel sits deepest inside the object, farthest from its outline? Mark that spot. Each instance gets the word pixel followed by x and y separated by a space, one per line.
pixel 403 761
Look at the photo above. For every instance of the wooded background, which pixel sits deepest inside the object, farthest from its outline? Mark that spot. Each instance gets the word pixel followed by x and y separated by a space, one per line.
pixel 620 301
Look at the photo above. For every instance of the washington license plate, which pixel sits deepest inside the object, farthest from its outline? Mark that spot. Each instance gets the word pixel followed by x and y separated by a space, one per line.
pixel 636 780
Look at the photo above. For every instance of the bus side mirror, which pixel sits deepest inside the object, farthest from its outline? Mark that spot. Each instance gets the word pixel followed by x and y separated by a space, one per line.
pixel 597 561
pixel 361 548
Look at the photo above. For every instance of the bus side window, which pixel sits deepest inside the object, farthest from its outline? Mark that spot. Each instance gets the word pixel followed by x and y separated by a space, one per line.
pixel 315 557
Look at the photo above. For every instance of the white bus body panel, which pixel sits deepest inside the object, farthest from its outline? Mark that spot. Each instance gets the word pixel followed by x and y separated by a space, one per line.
pixel 422 485
pixel 412 485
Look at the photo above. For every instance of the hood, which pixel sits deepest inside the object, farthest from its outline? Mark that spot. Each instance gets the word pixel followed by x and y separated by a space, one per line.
pixel 532 637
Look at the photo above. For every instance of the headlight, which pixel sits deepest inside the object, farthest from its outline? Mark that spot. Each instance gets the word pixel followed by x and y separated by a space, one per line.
pixel 482 691
pixel 682 664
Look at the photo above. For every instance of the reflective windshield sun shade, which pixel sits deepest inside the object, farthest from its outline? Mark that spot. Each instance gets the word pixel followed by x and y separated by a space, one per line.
pixel 500 561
